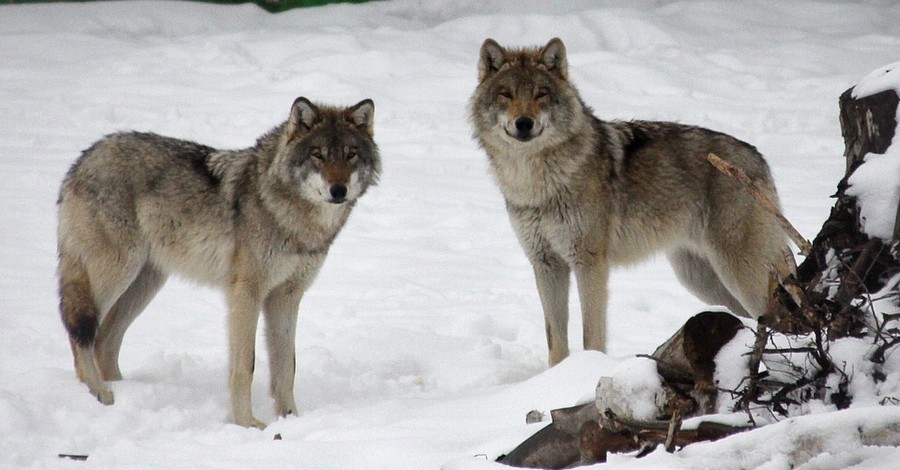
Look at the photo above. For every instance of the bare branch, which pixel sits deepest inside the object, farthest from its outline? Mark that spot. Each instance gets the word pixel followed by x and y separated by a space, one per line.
pixel 763 200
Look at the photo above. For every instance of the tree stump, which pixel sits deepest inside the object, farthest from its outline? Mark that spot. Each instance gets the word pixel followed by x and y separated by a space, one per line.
pixel 861 263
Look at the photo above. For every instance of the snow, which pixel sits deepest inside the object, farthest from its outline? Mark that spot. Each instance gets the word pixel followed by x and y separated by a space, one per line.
pixel 876 186
pixel 732 367
pixel 633 389
pixel 876 183
pixel 421 344
pixel 881 79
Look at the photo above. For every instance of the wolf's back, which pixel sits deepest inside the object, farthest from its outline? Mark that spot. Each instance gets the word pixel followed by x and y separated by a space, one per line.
pixel 138 159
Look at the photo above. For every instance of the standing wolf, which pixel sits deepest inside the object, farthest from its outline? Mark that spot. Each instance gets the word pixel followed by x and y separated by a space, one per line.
pixel 256 222
pixel 584 194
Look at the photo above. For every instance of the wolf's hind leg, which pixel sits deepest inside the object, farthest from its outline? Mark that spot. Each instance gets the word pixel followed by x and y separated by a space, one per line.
pixel 129 305
pixel 700 278
pixel 80 316
pixel 87 371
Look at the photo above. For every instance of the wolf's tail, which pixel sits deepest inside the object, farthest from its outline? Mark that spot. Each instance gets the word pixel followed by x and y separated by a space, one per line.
pixel 76 302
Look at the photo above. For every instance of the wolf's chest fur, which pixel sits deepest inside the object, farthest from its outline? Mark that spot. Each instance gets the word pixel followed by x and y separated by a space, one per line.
pixel 552 198
pixel 548 177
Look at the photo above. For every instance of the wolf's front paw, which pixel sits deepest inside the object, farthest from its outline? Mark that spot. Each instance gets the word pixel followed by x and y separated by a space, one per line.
pixel 250 422
pixel 104 395
pixel 286 409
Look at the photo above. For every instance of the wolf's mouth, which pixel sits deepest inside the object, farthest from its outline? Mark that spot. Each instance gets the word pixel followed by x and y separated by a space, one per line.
pixel 523 137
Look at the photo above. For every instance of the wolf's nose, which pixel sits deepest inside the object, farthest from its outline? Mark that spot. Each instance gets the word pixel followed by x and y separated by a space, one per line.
pixel 524 125
pixel 338 193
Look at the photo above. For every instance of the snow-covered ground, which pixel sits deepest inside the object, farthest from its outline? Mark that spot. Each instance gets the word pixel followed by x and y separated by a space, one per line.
pixel 421 344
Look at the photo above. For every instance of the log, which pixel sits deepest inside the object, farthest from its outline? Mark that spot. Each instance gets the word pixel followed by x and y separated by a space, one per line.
pixel 580 435
pixel 557 444
pixel 686 361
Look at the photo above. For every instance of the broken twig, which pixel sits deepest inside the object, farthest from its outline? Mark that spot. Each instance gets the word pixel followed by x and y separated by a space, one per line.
pixel 762 199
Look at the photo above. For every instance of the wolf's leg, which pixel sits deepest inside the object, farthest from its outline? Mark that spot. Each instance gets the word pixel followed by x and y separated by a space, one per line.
pixel 243 313
pixel 746 273
pixel 81 315
pixel 88 373
pixel 130 304
pixel 552 276
pixel 280 312
pixel 592 280
pixel 700 278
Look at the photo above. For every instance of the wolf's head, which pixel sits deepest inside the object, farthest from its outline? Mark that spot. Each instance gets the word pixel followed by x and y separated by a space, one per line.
pixel 524 95
pixel 328 154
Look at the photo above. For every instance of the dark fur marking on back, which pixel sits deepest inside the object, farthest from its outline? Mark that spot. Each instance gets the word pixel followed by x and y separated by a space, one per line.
pixel 199 163
pixel 638 139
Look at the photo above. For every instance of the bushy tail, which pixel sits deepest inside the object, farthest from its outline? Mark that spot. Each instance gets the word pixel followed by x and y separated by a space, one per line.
pixel 76 302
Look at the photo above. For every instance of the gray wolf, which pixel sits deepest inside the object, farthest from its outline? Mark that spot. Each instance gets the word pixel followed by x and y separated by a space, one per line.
pixel 585 194
pixel 257 222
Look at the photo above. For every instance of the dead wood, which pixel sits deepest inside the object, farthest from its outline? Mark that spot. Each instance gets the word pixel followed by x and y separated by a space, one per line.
pixel 648 435
pixel 580 435
pixel 686 361
pixel 674 427
pixel 557 445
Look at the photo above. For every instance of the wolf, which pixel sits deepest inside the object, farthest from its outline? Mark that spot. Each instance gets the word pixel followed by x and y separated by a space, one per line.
pixel 257 223
pixel 584 194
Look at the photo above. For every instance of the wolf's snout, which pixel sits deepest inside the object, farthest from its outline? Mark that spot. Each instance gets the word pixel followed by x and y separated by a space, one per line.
pixel 524 125
pixel 338 193
pixel 524 128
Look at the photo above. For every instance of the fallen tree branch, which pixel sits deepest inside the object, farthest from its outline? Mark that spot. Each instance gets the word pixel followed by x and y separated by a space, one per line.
pixel 751 392
pixel 674 427
pixel 766 203
pixel 669 434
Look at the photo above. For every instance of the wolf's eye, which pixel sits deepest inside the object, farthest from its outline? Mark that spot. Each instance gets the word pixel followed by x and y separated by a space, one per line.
pixel 352 154
pixel 504 93
pixel 542 92
pixel 315 152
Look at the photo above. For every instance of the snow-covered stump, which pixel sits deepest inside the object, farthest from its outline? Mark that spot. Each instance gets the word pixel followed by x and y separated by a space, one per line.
pixel 856 252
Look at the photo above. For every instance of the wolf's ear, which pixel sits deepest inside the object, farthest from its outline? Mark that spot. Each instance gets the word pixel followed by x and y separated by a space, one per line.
pixel 362 115
pixel 553 56
pixel 303 115
pixel 492 56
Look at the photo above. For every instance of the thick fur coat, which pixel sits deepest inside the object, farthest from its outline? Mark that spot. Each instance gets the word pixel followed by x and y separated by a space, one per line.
pixel 584 194
pixel 257 223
